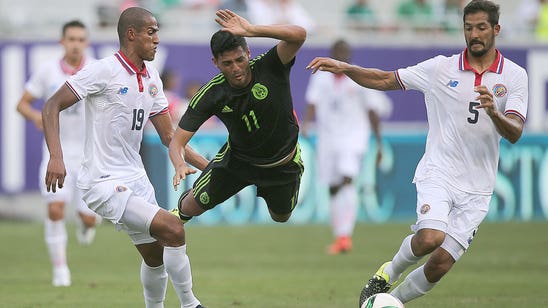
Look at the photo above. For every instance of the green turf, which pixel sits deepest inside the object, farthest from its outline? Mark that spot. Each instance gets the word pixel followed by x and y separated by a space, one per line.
pixel 274 266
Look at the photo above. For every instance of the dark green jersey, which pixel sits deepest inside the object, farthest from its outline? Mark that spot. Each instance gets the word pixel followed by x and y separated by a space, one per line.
pixel 262 127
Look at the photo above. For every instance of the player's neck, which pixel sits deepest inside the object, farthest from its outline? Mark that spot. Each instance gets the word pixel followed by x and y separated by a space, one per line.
pixel 482 63
pixel 73 62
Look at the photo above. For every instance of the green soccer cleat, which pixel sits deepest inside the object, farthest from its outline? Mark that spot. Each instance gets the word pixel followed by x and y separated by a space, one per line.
pixel 377 284
pixel 176 211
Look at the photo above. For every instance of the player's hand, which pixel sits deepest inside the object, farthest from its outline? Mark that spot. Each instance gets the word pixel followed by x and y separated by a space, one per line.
pixel 55 174
pixel 180 174
pixel 37 120
pixel 326 64
pixel 233 22
pixel 486 100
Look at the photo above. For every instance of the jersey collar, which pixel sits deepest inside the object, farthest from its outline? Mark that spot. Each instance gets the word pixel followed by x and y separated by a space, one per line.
pixel 130 67
pixel 69 70
pixel 496 66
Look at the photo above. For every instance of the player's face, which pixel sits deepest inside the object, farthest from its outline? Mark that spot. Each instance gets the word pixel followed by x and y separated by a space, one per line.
pixel 234 64
pixel 147 39
pixel 75 42
pixel 479 34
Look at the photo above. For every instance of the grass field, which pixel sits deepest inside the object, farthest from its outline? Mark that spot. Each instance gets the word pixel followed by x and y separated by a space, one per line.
pixel 274 266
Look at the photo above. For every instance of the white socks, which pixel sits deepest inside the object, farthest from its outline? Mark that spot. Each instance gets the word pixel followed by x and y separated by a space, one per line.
pixel 56 240
pixel 402 260
pixel 177 266
pixel 154 280
pixel 414 285
pixel 344 208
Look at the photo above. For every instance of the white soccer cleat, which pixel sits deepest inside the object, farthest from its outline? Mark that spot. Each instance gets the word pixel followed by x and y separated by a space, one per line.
pixel 85 235
pixel 61 277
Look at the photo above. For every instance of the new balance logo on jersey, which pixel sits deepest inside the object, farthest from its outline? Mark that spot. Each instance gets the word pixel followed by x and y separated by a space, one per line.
pixel 226 109
pixel 452 83
pixel 123 90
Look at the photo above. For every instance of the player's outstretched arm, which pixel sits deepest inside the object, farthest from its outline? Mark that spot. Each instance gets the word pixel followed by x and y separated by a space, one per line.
pixel 178 155
pixel 55 174
pixel 292 37
pixel 367 77
pixel 24 107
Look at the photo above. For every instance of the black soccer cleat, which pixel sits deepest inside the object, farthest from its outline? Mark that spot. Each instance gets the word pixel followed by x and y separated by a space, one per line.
pixel 377 284
pixel 178 213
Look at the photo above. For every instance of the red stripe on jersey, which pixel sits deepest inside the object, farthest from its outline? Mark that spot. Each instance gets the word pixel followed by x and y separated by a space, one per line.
pixel 515 112
pixel 163 111
pixel 73 90
pixel 398 79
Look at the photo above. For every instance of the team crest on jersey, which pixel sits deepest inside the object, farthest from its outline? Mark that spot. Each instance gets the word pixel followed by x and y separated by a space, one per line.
pixel 153 90
pixel 499 90
pixel 121 188
pixel 425 208
pixel 204 198
pixel 259 91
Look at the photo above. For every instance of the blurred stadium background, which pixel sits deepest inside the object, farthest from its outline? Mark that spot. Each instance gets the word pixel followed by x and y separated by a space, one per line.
pixel 29 31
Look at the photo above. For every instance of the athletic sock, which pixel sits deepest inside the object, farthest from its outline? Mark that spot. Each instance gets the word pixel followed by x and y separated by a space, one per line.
pixel 344 206
pixel 178 267
pixel 414 285
pixel 402 260
pixel 56 241
pixel 154 280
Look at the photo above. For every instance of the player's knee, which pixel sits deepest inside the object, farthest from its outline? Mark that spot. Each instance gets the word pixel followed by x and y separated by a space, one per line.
pixel 174 234
pixel 426 241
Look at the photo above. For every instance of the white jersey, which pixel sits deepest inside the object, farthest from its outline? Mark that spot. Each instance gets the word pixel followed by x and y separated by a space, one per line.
pixel 119 99
pixel 43 84
pixel 462 145
pixel 342 107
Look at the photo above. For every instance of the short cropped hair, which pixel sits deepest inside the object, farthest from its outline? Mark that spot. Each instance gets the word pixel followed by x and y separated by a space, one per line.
pixel 72 24
pixel 492 9
pixel 222 41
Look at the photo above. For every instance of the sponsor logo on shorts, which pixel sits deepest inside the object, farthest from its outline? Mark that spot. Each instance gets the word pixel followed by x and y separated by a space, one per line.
pixel 204 198
pixel 259 91
pixel 121 188
pixel 499 90
pixel 425 208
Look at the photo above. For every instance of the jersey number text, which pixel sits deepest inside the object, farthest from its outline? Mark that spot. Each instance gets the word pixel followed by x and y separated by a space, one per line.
pixel 138 117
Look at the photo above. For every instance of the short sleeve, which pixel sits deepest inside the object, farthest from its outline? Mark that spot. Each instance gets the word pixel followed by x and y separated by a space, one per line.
pixel 518 95
pixel 36 85
pixel 417 77
pixel 92 79
pixel 314 90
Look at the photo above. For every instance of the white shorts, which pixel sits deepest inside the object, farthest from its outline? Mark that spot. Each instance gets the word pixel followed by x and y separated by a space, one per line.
pixel 442 207
pixel 335 163
pixel 70 193
pixel 109 199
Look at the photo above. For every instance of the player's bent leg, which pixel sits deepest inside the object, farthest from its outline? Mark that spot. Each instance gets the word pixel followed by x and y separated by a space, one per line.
pixel 438 264
pixel 426 241
pixel 414 285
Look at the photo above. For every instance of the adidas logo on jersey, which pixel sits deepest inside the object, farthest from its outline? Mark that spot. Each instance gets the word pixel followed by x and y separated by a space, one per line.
pixel 226 109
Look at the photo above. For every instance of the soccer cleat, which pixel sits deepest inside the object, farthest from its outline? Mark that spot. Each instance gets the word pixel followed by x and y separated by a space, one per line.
pixel 342 244
pixel 85 235
pixel 178 213
pixel 61 277
pixel 200 306
pixel 377 284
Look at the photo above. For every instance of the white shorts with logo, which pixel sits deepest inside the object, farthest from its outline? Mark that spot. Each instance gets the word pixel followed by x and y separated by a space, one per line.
pixel 336 163
pixel 110 198
pixel 445 208
pixel 70 193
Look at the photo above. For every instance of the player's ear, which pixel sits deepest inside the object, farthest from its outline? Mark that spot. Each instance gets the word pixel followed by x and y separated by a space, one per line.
pixel 214 60
pixel 130 33
pixel 248 52
pixel 497 29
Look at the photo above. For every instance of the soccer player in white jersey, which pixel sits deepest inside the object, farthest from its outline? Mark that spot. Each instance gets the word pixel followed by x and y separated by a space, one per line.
pixel 42 84
pixel 120 93
pixel 345 114
pixel 473 99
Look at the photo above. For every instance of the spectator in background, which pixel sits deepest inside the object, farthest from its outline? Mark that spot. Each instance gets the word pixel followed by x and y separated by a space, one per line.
pixel 541 29
pixel 237 6
pixel 417 14
pixel 360 16
pixel 42 84
pixel 345 113
pixel 271 12
pixel 452 16
pixel 171 80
